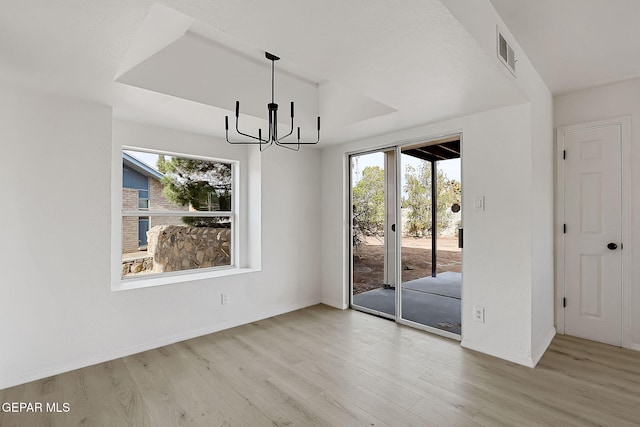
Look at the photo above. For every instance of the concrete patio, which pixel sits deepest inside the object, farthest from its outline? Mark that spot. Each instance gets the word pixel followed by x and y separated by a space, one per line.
pixel 430 301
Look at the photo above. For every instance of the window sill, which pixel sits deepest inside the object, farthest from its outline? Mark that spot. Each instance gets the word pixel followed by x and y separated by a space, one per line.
pixel 169 279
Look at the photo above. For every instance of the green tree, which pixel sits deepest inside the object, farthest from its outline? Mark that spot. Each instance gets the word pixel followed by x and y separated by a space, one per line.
pixel 368 203
pixel 417 199
pixel 204 185
pixel 417 188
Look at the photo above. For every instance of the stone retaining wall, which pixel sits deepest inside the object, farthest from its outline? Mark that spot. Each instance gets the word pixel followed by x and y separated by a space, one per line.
pixel 137 266
pixel 179 247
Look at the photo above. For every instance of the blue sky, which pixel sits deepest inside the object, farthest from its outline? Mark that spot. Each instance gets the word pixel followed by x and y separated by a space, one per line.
pixel 150 159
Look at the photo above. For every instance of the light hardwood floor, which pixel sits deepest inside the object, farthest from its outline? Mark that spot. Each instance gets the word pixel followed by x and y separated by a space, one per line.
pixel 321 366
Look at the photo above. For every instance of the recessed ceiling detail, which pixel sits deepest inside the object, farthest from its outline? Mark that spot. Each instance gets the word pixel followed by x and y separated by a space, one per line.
pixel 200 65
pixel 367 67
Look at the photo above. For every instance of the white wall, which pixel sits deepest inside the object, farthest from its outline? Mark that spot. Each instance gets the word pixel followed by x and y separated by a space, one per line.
pixel 496 165
pixel 56 298
pixel 604 102
pixel 57 308
pixel 508 255
pixel 480 19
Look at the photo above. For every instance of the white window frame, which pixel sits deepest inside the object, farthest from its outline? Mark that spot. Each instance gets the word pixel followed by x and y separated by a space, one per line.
pixel 148 280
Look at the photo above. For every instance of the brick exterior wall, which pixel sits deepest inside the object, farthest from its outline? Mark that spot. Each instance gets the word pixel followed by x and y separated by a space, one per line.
pixel 157 202
pixel 129 224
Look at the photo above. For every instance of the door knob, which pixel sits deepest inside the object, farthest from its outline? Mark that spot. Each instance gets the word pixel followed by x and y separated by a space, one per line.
pixel 612 246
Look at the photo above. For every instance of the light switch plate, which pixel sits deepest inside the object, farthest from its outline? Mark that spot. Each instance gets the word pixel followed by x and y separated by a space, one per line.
pixel 478 204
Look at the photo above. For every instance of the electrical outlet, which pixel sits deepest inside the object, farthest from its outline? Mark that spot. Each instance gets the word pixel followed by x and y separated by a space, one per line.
pixel 224 298
pixel 478 314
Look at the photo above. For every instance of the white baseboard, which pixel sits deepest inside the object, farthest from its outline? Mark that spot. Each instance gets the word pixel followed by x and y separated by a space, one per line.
pixel 499 353
pixel 529 362
pixel 537 353
pixel 127 351
pixel 336 304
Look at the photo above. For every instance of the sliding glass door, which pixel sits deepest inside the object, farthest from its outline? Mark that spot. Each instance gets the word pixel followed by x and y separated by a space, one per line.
pixel 373 246
pixel 405 223
pixel 431 260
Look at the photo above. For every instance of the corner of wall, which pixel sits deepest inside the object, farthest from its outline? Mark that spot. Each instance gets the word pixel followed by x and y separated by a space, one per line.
pixel 527 361
pixel 254 204
pixel 539 350
pixel 334 228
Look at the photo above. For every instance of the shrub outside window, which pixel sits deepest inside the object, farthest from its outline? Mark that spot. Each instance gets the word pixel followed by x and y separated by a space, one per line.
pixel 177 213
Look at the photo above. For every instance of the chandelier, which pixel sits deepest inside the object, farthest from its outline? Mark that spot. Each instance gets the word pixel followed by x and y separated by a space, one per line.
pixel 273 137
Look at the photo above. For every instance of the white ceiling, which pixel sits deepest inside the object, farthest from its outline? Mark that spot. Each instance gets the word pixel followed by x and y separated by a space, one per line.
pixel 379 65
pixel 576 44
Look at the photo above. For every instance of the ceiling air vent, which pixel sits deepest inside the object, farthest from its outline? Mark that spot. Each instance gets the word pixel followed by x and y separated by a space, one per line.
pixel 505 53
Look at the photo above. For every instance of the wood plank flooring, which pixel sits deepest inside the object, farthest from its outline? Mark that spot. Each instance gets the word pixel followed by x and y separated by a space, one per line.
pixel 325 367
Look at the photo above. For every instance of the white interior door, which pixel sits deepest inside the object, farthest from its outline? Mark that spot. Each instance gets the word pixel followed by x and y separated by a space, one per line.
pixel 593 237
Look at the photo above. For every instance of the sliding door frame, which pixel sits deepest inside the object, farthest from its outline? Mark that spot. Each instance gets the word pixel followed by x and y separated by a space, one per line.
pixel 399 318
pixel 397 148
pixel 350 156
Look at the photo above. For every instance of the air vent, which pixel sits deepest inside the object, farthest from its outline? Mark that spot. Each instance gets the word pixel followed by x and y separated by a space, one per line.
pixel 505 53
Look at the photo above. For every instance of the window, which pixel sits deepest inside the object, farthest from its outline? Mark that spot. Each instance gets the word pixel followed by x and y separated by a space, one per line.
pixel 143 199
pixel 178 213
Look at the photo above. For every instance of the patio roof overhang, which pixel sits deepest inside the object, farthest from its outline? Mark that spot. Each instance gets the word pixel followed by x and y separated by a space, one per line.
pixel 440 151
